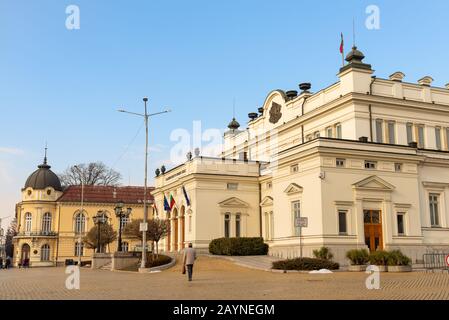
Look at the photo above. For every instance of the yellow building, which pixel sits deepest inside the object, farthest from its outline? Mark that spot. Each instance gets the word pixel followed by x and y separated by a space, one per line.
pixel 51 222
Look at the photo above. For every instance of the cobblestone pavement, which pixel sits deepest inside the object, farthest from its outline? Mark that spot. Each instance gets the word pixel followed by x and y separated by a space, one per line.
pixel 218 279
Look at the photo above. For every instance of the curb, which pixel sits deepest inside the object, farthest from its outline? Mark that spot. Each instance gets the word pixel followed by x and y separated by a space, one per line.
pixel 159 268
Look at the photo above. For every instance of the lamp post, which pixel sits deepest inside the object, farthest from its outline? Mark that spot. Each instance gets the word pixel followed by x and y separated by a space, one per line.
pixel 99 219
pixel 146 117
pixel 120 214
pixel 80 239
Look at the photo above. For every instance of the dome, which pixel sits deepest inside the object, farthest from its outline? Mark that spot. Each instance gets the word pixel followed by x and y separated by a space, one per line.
pixel 355 55
pixel 43 178
pixel 234 125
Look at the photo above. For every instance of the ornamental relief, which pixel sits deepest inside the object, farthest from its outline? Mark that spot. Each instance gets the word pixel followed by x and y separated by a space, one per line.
pixel 275 113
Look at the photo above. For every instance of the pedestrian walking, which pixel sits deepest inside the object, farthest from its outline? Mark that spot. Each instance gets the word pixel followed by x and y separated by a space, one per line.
pixel 1 263
pixel 8 262
pixel 188 260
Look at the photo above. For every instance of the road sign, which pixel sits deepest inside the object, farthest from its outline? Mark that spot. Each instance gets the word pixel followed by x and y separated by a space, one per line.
pixel 143 226
pixel 447 260
pixel 302 222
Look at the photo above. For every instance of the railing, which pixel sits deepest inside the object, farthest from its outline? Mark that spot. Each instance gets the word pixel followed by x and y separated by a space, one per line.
pixel 436 261
pixel 38 234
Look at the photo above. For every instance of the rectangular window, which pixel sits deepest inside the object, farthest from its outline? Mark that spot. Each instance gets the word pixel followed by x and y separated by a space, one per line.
pixel 340 163
pixel 294 168
pixel 237 225
pixel 438 138
pixel 329 132
pixel 370 165
pixel 391 133
pixel 338 133
pixel 296 215
pixel 409 132
pixel 232 186
pixel 342 223
pixel 421 137
pixel 398 167
pixel 401 228
pixel 227 225
pixel 379 133
pixel 433 202
pixel 447 139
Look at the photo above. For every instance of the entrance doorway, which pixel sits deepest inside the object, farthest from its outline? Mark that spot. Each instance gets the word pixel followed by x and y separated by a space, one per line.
pixel 25 257
pixel 373 229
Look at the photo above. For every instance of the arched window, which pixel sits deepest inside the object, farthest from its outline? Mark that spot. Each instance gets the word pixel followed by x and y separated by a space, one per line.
pixel 80 223
pixel 28 221
pixel 125 246
pixel 46 222
pixel 45 252
pixel 79 249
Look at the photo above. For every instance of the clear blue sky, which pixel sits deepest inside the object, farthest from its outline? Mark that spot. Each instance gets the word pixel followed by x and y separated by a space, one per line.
pixel 64 86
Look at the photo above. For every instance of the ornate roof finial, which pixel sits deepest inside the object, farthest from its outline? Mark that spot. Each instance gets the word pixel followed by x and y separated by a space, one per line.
pixel 45 157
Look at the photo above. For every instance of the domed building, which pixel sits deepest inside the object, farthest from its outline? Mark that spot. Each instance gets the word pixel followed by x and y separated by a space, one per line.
pixel 52 220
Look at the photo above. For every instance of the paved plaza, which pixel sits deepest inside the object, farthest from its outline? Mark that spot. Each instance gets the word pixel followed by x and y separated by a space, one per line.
pixel 216 278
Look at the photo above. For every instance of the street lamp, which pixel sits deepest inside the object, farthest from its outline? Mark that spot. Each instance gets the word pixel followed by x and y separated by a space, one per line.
pixel 99 219
pixel 146 116
pixel 120 214
pixel 80 214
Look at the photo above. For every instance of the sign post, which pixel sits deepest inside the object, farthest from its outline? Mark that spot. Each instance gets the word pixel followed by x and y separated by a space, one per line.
pixel 301 222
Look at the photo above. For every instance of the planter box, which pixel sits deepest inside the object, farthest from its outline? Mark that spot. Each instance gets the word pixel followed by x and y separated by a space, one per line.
pixel 382 268
pixel 357 268
pixel 399 268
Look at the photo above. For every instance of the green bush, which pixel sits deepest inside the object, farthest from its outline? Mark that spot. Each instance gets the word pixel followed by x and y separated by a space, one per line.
pixel 358 257
pixel 379 258
pixel 323 253
pixel 152 261
pixel 238 247
pixel 397 258
pixel 308 264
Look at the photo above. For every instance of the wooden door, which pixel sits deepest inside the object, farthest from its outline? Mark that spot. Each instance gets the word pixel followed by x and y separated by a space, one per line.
pixel 373 229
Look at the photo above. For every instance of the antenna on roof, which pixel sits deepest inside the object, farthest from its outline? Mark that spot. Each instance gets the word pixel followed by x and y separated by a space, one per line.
pixel 353 32
pixel 233 108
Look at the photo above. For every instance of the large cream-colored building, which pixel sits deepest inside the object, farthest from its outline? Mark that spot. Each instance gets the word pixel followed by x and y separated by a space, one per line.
pixel 51 223
pixel 365 160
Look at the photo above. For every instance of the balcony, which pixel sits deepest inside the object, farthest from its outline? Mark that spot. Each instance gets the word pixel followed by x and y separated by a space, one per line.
pixel 37 234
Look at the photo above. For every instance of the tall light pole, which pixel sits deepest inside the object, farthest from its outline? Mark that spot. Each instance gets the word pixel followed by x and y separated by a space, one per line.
pixel 80 215
pixel 146 116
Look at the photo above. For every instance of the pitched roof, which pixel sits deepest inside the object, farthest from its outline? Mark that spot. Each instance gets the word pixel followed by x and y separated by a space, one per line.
pixel 106 194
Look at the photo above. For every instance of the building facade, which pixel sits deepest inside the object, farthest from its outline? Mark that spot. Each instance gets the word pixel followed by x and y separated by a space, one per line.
pixel 365 160
pixel 52 221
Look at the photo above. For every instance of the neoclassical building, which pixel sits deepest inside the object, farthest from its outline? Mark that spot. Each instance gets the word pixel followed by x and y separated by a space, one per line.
pixel 365 161
pixel 51 222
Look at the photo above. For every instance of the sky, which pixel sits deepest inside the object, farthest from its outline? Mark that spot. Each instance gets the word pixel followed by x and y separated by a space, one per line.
pixel 199 58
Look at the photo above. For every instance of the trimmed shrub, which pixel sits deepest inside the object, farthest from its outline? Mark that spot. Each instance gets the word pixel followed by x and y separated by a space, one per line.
pixel 306 264
pixel 379 258
pixel 324 253
pixel 397 258
pixel 358 257
pixel 238 247
pixel 152 261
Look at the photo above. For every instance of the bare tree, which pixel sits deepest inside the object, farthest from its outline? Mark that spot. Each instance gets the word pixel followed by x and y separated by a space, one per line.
pixel 157 230
pixel 92 174
pixel 10 234
pixel 107 236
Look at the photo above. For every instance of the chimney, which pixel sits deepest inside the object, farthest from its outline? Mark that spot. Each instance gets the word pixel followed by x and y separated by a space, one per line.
pixel 397 76
pixel 426 81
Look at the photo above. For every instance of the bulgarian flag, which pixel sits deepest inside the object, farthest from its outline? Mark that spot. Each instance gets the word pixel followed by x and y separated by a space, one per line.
pixel 342 44
pixel 342 49
pixel 172 202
